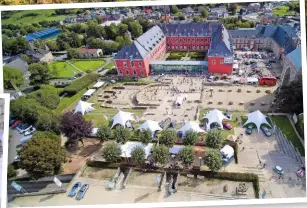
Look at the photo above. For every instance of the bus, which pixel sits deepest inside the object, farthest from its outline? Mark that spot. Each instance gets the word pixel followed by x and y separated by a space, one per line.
pixel 269 81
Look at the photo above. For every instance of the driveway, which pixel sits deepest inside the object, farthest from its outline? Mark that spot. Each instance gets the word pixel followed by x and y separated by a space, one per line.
pixel 13 142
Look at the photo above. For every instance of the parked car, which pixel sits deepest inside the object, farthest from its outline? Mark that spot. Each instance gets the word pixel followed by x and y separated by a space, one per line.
pixel 249 130
pixel 12 122
pixel 266 131
pixel 227 125
pixel 16 123
pixel 22 127
pixel 279 170
pixel 30 131
pixel 112 81
pixel 74 189
pixel 300 173
pixel 71 78
pixel 82 191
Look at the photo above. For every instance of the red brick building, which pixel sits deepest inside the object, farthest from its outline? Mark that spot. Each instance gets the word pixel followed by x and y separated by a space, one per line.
pixel 134 60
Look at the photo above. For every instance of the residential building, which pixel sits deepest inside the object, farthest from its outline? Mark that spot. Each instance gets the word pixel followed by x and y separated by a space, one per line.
pixel 254 7
pixel 39 55
pixel 90 53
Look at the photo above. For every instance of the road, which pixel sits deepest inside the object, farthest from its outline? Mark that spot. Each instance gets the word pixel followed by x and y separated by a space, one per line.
pixel 13 142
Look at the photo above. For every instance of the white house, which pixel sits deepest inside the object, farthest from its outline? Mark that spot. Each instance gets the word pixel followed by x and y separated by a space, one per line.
pixel 90 53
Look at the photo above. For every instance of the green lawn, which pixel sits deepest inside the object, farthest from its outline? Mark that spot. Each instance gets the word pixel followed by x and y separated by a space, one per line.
pixel 89 65
pixel 68 103
pixel 62 69
pixel 65 70
pixel 96 116
pixel 282 11
pixel 285 126
pixel 21 18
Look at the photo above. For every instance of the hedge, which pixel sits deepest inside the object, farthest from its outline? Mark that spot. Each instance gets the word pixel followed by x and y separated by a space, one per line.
pixel 80 84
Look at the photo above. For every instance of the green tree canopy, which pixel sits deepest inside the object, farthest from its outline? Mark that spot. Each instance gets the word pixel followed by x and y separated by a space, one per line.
pixel 213 160
pixel 204 13
pixel 174 9
pixel 160 154
pixel 214 139
pixel 190 137
pixel 121 134
pixel 111 152
pixel 12 74
pixel 138 155
pixel 289 98
pixel 104 133
pixel 168 137
pixel 47 96
pixel 145 136
pixel 186 155
pixel 42 156
pixel 40 74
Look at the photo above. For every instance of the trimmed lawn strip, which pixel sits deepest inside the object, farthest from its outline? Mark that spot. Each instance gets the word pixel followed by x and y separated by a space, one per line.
pixel 91 65
pixel 64 70
pixel 285 126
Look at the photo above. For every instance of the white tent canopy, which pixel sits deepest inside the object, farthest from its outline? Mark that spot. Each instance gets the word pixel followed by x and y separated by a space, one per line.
pixel 153 126
pixel 121 118
pixel 84 107
pixel 98 85
pixel 191 125
pixel 257 118
pixel 227 151
pixel 129 146
pixel 215 116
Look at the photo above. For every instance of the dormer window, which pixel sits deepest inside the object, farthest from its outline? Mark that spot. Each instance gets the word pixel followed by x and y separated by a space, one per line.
pixel 132 63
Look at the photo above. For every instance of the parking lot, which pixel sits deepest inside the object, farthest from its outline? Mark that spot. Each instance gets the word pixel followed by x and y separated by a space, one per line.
pixel 257 64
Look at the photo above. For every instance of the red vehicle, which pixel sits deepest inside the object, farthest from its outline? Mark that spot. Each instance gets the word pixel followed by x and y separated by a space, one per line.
pixel 227 125
pixel 16 123
pixel 269 81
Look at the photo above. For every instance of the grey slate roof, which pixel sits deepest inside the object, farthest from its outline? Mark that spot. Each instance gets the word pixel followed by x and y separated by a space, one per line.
pixel 19 64
pixel 221 42
pixel 296 57
pixel 142 45
pixel 188 29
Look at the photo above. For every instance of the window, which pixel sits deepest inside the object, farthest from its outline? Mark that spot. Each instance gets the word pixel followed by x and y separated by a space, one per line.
pixel 193 39
pixel 221 61
pixel 120 72
pixel 134 72
pixel 140 63
pixel 168 46
pixel 132 63
pixel 142 73
pixel 213 62
pixel 127 72
pixel 125 64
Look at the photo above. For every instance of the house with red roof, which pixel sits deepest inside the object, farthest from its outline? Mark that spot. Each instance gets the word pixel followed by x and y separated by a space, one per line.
pixel 90 53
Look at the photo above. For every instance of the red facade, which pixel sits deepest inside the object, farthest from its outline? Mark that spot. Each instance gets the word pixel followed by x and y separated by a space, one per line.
pixel 188 43
pixel 217 65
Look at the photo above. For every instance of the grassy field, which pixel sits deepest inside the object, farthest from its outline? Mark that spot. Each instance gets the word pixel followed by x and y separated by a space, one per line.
pixel 65 70
pixel 37 16
pixel 285 126
pixel 282 11
pixel 89 65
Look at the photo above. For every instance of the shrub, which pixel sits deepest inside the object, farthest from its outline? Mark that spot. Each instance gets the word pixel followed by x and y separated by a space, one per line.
pixel 214 139
pixel 121 134
pixel 213 160
pixel 168 137
pixel 111 152
pixel 11 172
pixel 258 91
pixel 230 103
pixel 239 90
pixel 138 155
pixel 47 96
pixel 80 84
pixel 112 71
pixel 190 137
pixel 186 155
pixel 268 91
pixel 160 154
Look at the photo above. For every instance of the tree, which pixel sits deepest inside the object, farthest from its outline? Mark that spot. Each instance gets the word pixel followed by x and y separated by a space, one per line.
pixel 196 19
pixel 190 137
pixel 121 134
pixel 111 31
pixel 136 29
pixel 42 157
pixel 12 74
pixel 111 152
pixel 46 120
pixel 168 137
pixel 186 155
pixel 25 109
pixel 300 125
pixel 145 136
pixel 40 74
pixel 47 135
pixel 47 96
pixel 181 17
pixel 204 13
pixel 14 46
pixel 94 30
pixel 160 154
pixel 104 133
pixel 233 9
pixel 174 9
pixel 52 45
pixel 138 155
pixel 74 126
pixel 68 40
pixel 27 59
pixel 213 160
pixel 11 172
pixel 122 28
pixel 289 98
pixel 73 53
pixel 214 139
